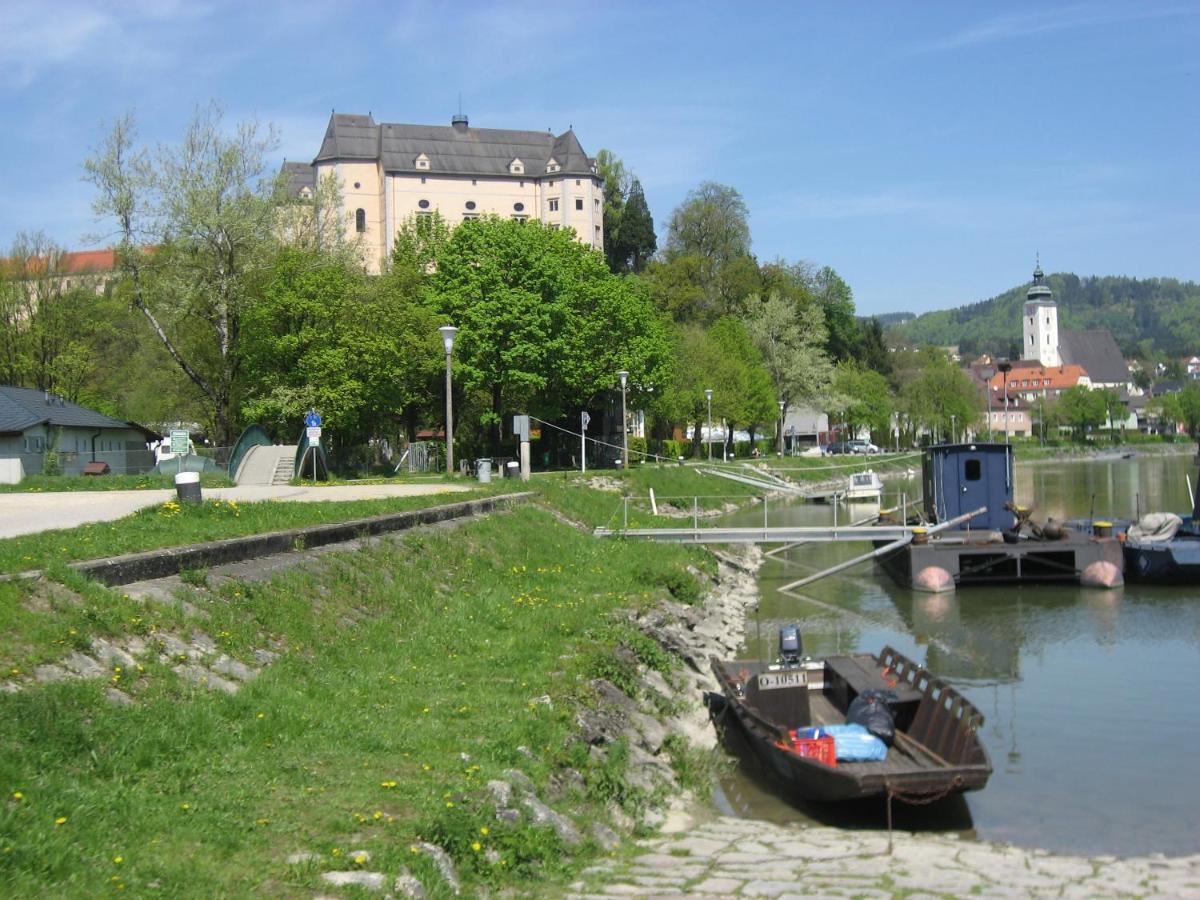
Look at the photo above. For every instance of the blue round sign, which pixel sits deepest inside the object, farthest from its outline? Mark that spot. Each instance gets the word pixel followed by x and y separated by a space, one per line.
pixel 312 419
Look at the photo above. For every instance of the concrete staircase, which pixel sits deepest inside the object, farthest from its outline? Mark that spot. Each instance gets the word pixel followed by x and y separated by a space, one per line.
pixel 267 465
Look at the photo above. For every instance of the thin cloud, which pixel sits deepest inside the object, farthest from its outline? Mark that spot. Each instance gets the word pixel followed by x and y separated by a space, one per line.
pixel 1069 18
pixel 873 205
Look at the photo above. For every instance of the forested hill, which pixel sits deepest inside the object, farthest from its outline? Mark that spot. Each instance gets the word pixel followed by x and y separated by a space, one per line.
pixel 1148 317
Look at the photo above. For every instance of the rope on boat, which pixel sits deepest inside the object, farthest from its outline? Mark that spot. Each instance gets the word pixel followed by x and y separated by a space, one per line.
pixel 915 799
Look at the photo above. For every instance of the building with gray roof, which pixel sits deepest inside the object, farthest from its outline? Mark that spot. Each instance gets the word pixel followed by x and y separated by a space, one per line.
pixel 389 174
pixel 33 423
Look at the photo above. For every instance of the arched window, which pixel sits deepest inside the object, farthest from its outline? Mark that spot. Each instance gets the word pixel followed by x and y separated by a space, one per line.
pixel 360 220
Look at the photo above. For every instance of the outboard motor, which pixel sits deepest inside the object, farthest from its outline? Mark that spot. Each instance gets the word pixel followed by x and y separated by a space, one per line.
pixel 791 647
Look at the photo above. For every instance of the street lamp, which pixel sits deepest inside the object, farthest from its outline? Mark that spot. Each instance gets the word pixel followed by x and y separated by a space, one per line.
pixel 987 373
pixel 448 332
pixel 782 404
pixel 1005 366
pixel 624 376
pixel 708 397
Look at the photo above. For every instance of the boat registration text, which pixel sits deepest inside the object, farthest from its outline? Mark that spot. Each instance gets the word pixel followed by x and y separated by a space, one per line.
pixel 770 680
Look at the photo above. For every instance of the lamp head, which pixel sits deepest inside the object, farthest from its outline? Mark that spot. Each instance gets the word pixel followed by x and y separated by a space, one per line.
pixel 624 376
pixel 708 394
pixel 448 332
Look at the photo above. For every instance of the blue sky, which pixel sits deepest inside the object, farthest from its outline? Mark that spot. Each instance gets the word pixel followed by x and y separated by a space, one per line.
pixel 926 151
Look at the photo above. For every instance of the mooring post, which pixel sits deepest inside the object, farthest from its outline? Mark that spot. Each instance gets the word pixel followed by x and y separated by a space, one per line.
pixel 695 512
pixel 626 504
pixel 764 516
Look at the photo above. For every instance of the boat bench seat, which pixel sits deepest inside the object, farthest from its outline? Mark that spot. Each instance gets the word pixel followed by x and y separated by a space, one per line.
pixel 853 675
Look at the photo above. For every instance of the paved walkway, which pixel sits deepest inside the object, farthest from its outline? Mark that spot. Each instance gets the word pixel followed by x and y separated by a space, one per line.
pixel 733 857
pixel 31 513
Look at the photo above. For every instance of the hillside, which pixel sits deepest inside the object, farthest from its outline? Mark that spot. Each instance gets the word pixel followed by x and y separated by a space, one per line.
pixel 1155 315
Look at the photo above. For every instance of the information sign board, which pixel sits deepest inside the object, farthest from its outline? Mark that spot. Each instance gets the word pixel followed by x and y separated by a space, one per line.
pixel 179 441
pixel 314 434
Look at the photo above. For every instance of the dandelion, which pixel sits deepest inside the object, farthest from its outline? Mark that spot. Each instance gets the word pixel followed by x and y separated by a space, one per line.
pixel 14 671
pixel 337 851
pixel 387 784
pixel 185 806
pixel 361 858
pixel 264 821
pixel 117 860
pixel 485 831
pixel 425 710
pixel 377 815
pixel 262 715
pixel 477 846
pixel 61 820
pixel 449 804
pixel 17 795
pixel 414 849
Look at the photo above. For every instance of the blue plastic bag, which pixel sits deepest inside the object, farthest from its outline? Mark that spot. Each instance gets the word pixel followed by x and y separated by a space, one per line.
pixel 854 743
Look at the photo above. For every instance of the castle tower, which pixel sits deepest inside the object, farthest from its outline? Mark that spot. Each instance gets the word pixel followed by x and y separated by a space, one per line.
pixel 1040 322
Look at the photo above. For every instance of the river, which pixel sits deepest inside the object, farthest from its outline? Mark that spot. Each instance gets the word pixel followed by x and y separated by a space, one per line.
pixel 1092 697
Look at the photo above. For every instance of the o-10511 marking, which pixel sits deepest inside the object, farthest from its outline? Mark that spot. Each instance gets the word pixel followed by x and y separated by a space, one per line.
pixel 769 680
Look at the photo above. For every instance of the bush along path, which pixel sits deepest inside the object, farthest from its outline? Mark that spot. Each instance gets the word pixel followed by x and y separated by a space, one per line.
pixel 465 708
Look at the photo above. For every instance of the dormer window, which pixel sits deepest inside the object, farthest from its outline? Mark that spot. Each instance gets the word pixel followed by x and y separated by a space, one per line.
pixel 421 162
pixel 516 167
pixel 306 193
pixel 552 165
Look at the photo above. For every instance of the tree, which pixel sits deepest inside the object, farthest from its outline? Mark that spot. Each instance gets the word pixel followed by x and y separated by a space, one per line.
pixel 195 228
pixel 940 395
pixel 1082 409
pixel 322 335
pixel 743 395
pixel 837 300
pixel 544 325
pixel 866 398
pixel 684 400
pixel 636 238
pixel 790 336
pixel 709 236
pixel 1189 410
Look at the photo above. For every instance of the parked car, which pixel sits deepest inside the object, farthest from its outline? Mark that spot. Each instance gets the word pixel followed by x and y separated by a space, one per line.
pixel 840 447
pixel 862 447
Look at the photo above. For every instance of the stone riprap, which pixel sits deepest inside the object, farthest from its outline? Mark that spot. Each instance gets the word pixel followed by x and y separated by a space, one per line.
pixel 731 857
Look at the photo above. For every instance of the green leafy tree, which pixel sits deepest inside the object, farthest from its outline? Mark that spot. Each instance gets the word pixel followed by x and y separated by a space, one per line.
pixel 322 335
pixel 544 325
pixel 939 396
pixel 867 400
pixel 708 240
pixel 790 336
pixel 636 239
pixel 196 227
pixel 1082 410
pixel 744 395
pixel 837 300
pixel 683 399
pixel 1189 410
pixel 1166 411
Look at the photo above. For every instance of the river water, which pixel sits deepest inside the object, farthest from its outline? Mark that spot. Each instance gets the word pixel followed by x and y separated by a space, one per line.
pixel 1092 697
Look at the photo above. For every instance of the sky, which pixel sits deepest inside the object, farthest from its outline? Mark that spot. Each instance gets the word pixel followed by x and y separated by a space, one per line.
pixel 927 151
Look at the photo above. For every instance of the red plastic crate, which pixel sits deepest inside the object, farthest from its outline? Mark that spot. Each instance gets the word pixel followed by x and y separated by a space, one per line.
pixel 821 749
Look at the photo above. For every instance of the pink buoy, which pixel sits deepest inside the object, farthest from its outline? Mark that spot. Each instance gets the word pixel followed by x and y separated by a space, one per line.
pixel 1102 574
pixel 934 579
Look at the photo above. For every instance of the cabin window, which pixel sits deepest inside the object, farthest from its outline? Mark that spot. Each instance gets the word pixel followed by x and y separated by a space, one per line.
pixel 972 470
pixel 360 220
pixel 579 203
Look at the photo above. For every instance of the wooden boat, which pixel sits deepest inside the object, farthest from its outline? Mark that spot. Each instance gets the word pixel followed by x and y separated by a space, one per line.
pixel 1166 554
pixel 936 751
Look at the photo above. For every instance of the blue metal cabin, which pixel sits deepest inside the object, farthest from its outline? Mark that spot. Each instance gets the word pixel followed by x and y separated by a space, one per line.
pixel 959 478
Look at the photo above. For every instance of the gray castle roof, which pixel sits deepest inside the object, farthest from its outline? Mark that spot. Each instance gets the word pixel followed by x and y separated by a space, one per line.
pixel 1097 352
pixel 22 408
pixel 451 149
pixel 299 176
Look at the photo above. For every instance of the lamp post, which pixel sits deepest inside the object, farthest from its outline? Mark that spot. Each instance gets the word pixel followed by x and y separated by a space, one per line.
pixel 1005 367
pixel 708 397
pixel 448 332
pixel 987 373
pixel 624 376
pixel 782 404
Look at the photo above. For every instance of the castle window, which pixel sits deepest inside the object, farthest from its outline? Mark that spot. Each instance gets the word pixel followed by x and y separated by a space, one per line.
pixel 516 167
pixel 422 181
pixel 360 220
pixel 424 204
pixel 357 185
pixel 421 162
pixel 470 215
pixel 578 203
pixel 520 217
pixel 474 182
pixel 576 182
pixel 470 204
pixel 518 207
pixel 554 206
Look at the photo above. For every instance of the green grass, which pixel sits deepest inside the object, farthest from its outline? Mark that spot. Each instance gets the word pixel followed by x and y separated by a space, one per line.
pixel 171 524
pixel 54 483
pixel 409 675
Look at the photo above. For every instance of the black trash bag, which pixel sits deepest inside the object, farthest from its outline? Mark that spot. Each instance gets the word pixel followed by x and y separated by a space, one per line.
pixel 872 710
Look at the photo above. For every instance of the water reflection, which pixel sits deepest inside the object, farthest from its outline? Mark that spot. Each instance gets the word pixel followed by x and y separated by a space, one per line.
pixel 1089 695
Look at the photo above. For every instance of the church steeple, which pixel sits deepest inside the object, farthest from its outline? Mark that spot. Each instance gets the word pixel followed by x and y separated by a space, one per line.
pixel 1039 290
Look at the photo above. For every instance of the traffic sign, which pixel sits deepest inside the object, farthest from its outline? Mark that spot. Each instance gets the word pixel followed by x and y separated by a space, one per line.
pixel 312 419
pixel 314 433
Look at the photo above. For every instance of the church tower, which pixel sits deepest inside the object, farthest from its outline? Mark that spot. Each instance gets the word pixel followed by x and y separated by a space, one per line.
pixel 1040 322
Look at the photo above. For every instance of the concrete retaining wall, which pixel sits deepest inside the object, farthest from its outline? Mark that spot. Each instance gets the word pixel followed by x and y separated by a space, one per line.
pixel 132 567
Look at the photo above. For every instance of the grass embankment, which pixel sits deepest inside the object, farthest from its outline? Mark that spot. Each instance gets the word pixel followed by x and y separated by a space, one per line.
pixel 34 484
pixel 408 674
pixel 170 525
